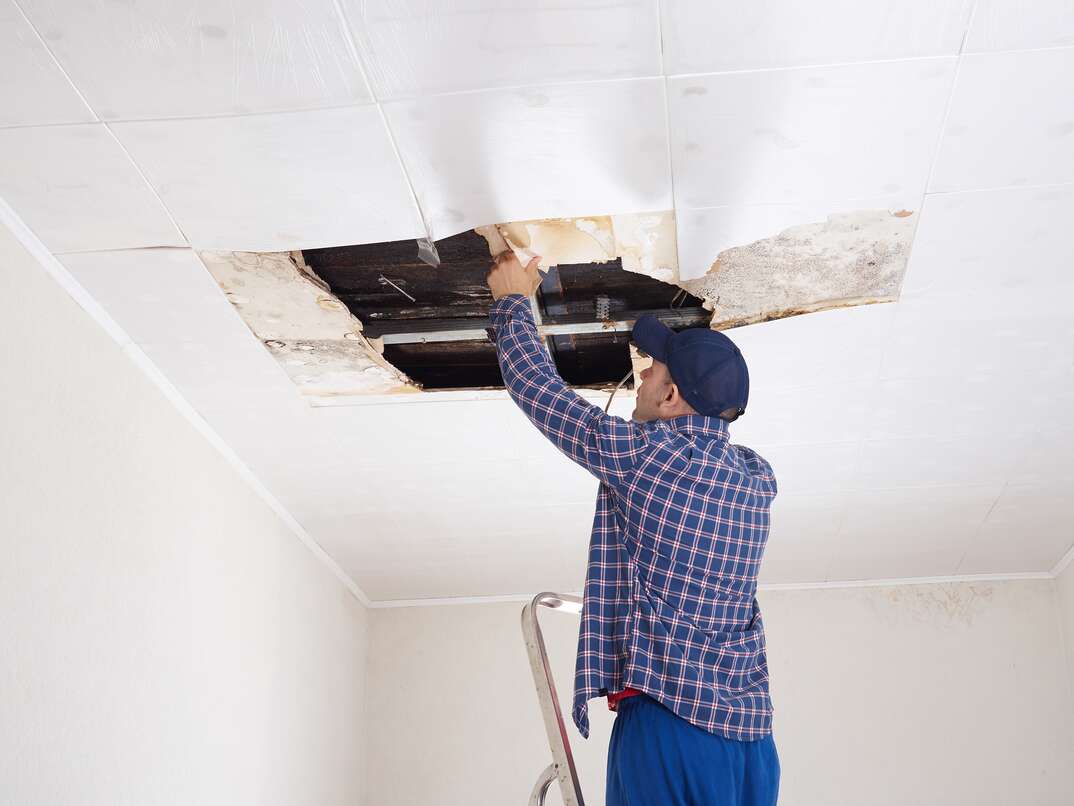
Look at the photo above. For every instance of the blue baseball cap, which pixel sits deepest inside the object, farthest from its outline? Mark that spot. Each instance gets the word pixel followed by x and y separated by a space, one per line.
pixel 705 364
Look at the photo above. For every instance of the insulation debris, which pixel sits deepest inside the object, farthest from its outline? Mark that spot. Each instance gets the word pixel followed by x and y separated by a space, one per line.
pixel 306 328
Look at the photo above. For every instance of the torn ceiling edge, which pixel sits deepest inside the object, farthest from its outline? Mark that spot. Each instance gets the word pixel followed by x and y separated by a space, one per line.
pixel 313 336
pixel 645 242
pixel 851 258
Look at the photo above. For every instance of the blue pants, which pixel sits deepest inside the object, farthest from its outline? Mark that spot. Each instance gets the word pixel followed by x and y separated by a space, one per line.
pixel 656 758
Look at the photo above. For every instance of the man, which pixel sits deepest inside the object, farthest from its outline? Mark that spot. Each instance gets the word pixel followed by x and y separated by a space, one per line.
pixel 671 633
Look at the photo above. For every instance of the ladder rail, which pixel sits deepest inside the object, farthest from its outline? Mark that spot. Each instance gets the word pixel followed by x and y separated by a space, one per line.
pixel 562 767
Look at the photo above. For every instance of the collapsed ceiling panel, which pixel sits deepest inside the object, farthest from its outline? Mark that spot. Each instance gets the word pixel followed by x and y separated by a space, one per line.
pixel 375 319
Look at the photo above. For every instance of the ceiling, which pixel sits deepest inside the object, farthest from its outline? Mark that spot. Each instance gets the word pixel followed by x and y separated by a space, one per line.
pixel 931 436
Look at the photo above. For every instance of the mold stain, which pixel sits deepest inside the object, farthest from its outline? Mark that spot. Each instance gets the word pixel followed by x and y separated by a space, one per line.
pixel 850 259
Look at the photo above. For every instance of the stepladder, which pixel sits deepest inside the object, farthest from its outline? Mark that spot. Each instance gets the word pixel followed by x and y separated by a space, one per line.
pixel 561 768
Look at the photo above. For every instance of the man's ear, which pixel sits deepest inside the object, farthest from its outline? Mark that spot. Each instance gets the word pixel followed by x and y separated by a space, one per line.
pixel 672 396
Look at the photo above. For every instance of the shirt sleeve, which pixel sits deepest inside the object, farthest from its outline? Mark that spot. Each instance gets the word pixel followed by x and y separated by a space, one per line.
pixel 608 447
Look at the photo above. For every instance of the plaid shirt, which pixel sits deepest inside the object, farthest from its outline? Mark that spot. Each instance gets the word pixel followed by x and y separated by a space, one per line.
pixel 680 527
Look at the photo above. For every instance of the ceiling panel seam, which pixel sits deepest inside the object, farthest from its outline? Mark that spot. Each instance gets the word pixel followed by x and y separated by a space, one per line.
pixel 359 59
pixel 1064 561
pixel 972 541
pixel 49 263
pixel 147 183
pixel 667 108
pixel 994 188
pixel 950 97
pixel 1017 576
pixel 97 119
pixel 1018 50
pixel 55 60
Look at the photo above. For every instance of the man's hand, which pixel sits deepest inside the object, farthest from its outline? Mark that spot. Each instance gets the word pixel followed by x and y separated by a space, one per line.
pixel 507 276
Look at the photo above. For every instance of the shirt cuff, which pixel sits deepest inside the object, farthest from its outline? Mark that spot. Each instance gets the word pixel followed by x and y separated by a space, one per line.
pixel 505 309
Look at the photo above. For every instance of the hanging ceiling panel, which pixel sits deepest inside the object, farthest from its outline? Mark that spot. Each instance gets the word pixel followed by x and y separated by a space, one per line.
pixel 549 151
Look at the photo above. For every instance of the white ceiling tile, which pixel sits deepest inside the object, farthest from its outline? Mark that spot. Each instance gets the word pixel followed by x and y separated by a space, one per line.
pixel 33 89
pixel 961 405
pixel 1013 239
pixel 922 462
pixel 846 132
pixel 498 44
pixel 158 295
pixel 484 550
pixel 161 59
pixel 901 533
pixel 1011 25
pixel 834 348
pixel 807 414
pixel 810 469
pixel 278 182
pixel 995 333
pixel 702 234
pixel 705 37
pixel 77 190
pixel 1048 455
pixel 1011 122
pixel 1030 528
pixel 440 485
pixel 802 538
pixel 551 151
pixel 235 374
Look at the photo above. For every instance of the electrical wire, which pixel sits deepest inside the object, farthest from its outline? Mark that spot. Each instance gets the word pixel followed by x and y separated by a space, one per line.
pixel 618 386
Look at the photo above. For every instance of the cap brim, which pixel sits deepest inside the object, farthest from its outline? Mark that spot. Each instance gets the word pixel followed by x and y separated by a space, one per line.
pixel 652 336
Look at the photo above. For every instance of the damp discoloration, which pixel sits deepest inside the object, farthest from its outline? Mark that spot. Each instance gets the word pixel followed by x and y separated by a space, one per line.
pixel 849 259
pixel 644 242
pixel 303 325
pixel 855 258
pixel 955 604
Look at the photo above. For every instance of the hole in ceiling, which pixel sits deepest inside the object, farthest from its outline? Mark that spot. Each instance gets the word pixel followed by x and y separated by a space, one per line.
pixel 432 320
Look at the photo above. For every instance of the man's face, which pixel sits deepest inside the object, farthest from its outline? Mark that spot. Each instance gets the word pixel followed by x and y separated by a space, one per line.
pixel 655 385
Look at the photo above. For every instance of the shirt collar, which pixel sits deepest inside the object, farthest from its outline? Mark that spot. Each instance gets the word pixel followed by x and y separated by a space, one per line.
pixel 698 424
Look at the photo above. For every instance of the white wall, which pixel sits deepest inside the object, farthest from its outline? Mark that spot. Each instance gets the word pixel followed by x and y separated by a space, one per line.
pixel 931 694
pixel 1065 592
pixel 164 638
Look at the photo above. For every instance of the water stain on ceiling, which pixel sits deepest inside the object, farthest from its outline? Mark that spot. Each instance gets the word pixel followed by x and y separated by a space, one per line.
pixel 377 319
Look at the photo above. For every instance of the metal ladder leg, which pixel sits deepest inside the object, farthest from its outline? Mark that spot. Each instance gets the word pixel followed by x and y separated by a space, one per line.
pixel 562 766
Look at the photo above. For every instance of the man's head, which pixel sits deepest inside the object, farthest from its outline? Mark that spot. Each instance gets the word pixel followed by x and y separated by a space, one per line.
pixel 697 371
